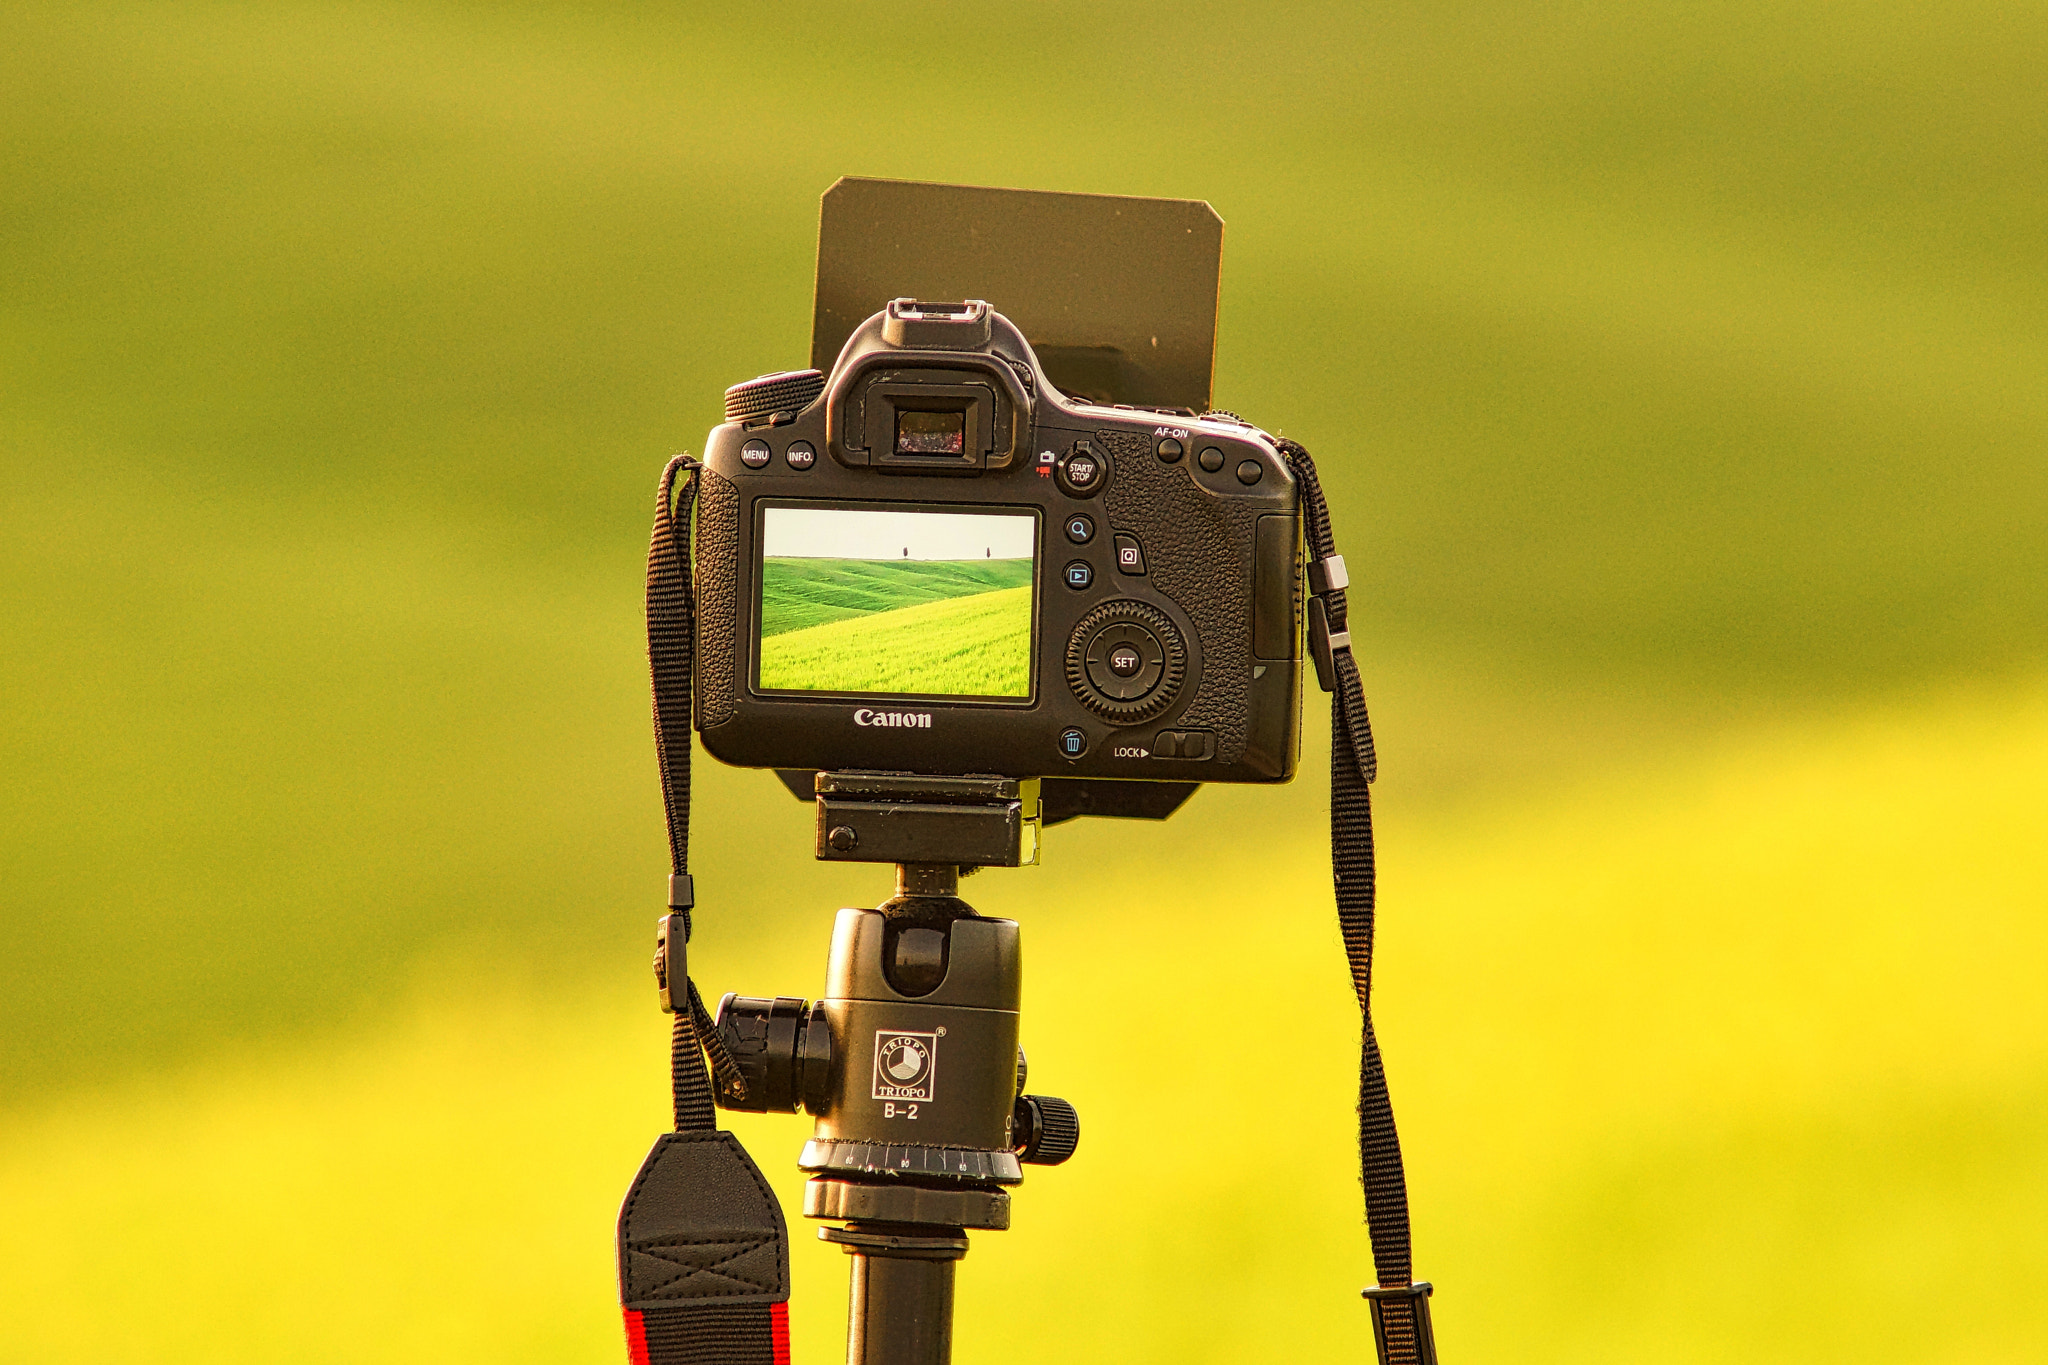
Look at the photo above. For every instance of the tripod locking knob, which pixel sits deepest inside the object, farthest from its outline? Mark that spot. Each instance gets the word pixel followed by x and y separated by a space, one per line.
pixel 1046 1128
pixel 784 1051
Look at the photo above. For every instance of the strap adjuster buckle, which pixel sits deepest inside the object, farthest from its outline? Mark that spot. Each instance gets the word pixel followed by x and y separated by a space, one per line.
pixel 1323 644
pixel 1327 575
pixel 1416 1295
pixel 672 964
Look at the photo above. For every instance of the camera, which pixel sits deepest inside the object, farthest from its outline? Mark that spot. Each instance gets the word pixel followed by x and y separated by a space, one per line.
pixel 1141 622
pixel 968 575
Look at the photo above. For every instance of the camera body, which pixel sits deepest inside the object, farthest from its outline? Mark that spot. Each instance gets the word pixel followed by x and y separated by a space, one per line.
pixel 1143 621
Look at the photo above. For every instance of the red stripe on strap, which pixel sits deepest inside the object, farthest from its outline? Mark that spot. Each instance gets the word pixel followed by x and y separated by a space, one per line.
pixel 778 1314
pixel 636 1341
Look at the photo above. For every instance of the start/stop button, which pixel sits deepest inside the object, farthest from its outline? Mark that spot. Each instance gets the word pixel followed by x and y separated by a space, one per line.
pixel 1083 471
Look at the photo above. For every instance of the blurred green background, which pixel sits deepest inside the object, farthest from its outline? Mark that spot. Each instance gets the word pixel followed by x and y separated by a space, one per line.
pixel 1680 379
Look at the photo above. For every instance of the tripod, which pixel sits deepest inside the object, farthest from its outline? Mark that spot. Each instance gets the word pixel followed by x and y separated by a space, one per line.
pixel 909 1063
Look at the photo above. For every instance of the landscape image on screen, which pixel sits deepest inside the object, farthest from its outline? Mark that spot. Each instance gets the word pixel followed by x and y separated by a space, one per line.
pixel 924 603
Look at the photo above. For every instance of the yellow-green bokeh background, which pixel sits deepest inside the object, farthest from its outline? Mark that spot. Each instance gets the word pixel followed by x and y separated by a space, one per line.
pixel 1681 382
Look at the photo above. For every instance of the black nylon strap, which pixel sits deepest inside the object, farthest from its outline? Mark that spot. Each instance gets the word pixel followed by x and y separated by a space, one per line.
pixel 671 647
pixel 1402 1320
pixel 703 1250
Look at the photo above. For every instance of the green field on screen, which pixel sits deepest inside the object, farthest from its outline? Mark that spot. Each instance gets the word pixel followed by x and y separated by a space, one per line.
pixel 796 593
pixel 933 627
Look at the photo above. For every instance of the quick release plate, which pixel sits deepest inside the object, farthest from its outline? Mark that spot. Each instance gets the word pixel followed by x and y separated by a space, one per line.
pixel 871 817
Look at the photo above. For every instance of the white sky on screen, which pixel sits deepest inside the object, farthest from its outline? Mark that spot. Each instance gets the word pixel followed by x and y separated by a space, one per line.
pixel 843 533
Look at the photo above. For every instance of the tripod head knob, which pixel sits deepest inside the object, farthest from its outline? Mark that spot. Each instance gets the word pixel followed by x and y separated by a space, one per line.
pixel 784 1051
pixel 1047 1129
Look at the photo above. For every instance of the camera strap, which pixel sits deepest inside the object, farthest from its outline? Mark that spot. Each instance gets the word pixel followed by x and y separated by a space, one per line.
pixel 702 1245
pixel 703 1248
pixel 1400 1307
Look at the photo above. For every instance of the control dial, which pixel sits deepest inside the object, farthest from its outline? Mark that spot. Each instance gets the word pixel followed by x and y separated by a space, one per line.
pixel 773 396
pixel 1126 662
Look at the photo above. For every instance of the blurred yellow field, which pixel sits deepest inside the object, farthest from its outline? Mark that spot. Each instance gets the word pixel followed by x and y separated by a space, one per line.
pixel 1750 1048
pixel 1676 375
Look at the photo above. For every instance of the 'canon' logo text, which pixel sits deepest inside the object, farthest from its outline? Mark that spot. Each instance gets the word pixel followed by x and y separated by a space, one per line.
pixel 913 720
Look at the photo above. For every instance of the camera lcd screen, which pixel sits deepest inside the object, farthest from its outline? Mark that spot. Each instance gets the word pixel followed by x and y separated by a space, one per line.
pixel 930 433
pixel 913 603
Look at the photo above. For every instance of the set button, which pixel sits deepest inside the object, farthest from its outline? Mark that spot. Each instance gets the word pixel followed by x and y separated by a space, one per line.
pixel 1125 661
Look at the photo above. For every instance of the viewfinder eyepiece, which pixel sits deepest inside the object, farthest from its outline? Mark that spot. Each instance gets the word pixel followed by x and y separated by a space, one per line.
pixel 931 433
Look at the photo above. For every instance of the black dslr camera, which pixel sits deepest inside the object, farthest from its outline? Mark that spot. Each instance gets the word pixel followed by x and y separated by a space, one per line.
pixel 933 560
pixel 979 576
